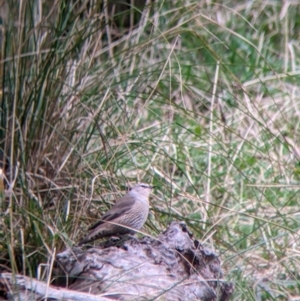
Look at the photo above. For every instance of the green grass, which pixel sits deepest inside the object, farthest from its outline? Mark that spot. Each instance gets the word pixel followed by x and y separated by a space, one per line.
pixel 199 99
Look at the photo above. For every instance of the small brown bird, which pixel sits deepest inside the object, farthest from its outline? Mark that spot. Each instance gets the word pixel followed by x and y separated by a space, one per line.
pixel 130 212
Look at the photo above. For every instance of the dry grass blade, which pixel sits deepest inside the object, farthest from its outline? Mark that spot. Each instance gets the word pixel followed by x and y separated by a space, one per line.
pixel 93 99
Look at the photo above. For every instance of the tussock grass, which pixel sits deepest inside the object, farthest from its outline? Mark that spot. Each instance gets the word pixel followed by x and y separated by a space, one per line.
pixel 199 98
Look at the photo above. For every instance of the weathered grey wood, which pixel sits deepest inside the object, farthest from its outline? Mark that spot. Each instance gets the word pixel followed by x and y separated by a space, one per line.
pixel 28 289
pixel 171 267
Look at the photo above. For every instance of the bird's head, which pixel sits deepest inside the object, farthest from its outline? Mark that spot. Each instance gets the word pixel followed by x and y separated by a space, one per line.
pixel 141 189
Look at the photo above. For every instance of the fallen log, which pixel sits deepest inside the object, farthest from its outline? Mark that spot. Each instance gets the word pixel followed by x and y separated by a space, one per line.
pixel 172 267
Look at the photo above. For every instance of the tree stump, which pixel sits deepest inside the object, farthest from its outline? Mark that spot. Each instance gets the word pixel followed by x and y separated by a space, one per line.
pixel 173 267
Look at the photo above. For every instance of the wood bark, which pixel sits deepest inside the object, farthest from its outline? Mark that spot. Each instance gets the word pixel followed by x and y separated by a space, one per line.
pixel 174 267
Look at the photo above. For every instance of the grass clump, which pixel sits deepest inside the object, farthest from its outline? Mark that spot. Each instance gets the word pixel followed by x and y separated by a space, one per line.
pixel 198 98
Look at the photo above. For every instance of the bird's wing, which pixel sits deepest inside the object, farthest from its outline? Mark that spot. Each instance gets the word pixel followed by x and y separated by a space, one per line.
pixel 117 210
